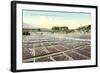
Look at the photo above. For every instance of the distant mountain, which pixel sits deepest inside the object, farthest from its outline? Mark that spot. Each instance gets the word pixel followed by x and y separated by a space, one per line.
pixel 27 26
pixel 84 29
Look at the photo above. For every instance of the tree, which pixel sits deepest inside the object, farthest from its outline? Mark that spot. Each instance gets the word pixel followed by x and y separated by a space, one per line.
pixel 89 27
pixel 64 28
pixel 55 28
pixel 39 30
pixel 26 33
pixel 84 28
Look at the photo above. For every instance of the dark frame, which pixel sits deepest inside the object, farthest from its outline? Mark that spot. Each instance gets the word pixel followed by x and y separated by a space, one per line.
pixel 13 35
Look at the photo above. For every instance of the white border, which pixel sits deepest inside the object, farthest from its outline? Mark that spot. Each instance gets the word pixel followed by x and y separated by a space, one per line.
pixel 21 65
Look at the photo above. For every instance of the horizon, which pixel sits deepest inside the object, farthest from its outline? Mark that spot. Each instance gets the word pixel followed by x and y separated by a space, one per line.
pixel 54 26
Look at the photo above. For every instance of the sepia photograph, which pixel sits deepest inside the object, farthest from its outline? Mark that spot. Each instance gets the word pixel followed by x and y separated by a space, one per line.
pixel 49 36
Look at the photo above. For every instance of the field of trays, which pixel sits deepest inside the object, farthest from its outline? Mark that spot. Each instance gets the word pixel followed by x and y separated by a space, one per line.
pixel 47 47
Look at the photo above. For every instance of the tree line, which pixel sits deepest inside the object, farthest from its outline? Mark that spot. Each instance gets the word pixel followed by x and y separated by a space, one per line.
pixel 65 29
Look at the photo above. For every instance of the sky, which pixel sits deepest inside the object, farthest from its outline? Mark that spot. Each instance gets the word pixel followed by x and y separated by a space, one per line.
pixel 48 19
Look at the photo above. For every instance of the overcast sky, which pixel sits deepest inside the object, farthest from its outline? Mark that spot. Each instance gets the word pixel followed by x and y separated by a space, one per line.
pixel 48 19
